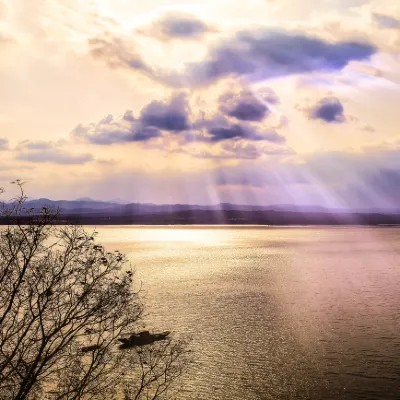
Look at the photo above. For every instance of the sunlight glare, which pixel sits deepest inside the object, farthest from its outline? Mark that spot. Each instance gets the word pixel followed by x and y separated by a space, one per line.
pixel 201 235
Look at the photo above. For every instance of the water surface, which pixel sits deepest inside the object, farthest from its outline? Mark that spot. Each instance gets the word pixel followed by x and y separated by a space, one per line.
pixel 275 313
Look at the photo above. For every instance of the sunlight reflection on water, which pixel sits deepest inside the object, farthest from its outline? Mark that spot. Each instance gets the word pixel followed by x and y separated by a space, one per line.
pixel 276 313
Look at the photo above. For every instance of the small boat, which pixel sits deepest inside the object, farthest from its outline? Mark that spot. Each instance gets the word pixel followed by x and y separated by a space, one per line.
pixel 142 339
pixel 90 348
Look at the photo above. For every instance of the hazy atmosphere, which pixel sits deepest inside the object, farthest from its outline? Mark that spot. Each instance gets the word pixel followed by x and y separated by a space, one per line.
pixel 200 102
pixel 199 200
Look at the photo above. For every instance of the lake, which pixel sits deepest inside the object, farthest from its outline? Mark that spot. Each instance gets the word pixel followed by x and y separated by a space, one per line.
pixel 275 313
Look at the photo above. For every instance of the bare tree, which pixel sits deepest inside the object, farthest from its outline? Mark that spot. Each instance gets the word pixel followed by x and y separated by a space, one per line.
pixel 64 302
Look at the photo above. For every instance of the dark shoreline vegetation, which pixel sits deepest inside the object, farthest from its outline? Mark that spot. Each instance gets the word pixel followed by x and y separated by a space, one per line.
pixel 91 212
pixel 221 217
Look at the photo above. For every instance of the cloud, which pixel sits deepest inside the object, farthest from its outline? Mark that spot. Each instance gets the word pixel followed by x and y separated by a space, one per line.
pixel 234 132
pixel 368 128
pixel 171 126
pixel 200 144
pixel 238 150
pixel 329 110
pixel 386 21
pixel 268 95
pixel 262 54
pixel 374 22
pixel 40 152
pixel 169 116
pixel 219 128
pixel 38 145
pixel 174 115
pixel 256 54
pixel 3 144
pixel 61 21
pixel 249 150
pixel 178 25
pixel 112 130
pixel 117 52
pixel 245 106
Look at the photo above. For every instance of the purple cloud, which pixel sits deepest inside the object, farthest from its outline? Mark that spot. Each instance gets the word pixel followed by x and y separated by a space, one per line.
pixel 329 110
pixel 220 128
pixel 112 130
pixel 178 25
pixel 169 116
pixel 268 95
pixel 385 21
pixel 158 118
pixel 256 54
pixel 263 54
pixel 49 152
pixel 243 106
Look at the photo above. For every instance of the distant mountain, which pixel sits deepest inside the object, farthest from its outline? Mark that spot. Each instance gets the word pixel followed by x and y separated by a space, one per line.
pixel 84 199
pixel 222 217
pixel 82 205
pixel 104 213
pixel 86 205
pixel 119 201
pixel 89 211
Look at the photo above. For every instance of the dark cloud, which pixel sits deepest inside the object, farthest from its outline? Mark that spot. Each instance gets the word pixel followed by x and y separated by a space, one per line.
pixel 265 53
pixel 3 144
pixel 49 152
pixel 386 21
pixel 329 110
pixel 257 54
pixel 232 131
pixel 244 106
pixel 168 116
pixel 115 130
pixel 174 115
pixel 171 115
pixel 220 128
pixel 178 25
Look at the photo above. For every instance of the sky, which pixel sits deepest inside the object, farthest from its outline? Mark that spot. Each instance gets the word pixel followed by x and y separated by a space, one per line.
pixel 257 102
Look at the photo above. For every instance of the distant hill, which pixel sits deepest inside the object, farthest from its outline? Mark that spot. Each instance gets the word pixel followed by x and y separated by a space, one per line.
pixel 86 204
pixel 89 211
pixel 84 199
pixel 89 206
pixel 119 201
